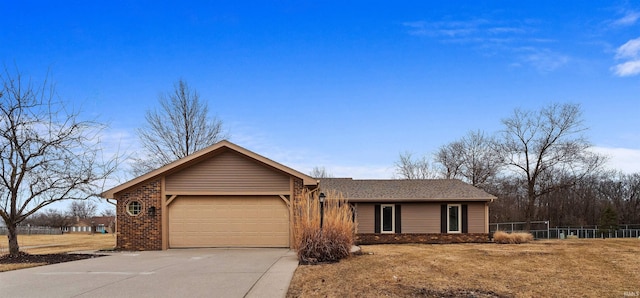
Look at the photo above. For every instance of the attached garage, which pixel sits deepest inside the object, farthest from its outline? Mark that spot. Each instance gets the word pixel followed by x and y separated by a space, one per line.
pixel 228 221
pixel 221 196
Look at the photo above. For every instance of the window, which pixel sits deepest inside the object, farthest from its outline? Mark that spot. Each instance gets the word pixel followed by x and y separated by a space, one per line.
pixel 134 208
pixel 387 215
pixel 454 220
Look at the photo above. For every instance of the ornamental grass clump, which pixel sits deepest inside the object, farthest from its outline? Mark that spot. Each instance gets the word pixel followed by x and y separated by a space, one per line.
pixel 511 238
pixel 329 244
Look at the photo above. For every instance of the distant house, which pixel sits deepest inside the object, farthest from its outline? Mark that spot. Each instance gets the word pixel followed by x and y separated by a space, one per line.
pixel 415 211
pixel 96 224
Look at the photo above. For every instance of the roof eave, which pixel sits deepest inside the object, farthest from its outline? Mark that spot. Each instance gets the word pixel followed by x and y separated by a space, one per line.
pixel 414 200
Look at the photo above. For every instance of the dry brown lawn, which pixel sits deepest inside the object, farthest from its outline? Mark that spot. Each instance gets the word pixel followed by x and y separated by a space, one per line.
pixel 549 268
pixel 54 244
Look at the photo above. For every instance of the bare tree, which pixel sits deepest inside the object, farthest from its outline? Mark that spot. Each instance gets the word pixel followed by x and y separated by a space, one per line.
pixel 472 158
pixel 82 209
pixel 451 158
pixel 320 172
pixel 108 212
pixel 180 127
pixel 409 168
pixel 47 154
pixel 49 218
pixel 541 145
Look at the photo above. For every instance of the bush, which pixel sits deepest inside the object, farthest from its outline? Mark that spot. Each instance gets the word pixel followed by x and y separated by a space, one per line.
pixel 329 244
pixel 511 238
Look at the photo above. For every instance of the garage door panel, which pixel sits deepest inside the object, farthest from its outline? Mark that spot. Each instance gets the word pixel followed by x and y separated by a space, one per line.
pixel 228 221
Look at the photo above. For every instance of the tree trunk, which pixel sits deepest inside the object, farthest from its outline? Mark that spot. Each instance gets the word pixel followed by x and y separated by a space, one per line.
pixel 529 211
pixel 12 234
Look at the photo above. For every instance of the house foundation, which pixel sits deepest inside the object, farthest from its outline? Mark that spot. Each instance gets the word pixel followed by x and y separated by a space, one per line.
pixel 363 239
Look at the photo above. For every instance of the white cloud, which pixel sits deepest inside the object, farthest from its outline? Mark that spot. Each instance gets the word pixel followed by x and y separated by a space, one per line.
pixel 446 29
pixel 630 18
pixel 478 28
pixel 506 30
pixel 630 49
pixel 628 68
pixel 545 60
pixel 513 37
pixel 623 159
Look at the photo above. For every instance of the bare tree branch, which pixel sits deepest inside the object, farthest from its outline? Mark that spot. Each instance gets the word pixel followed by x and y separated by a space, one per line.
pixel 180 127
pixel 538 145
pixel 409 168
pixel 47 153
pixel 472 158
pixel 320 172
pixel 82 209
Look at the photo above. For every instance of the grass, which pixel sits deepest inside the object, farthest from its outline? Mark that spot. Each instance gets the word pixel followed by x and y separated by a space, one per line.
pixel 53 244
pixel 549 268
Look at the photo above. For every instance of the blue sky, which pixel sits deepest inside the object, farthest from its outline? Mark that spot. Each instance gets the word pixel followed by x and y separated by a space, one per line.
pixel 344 86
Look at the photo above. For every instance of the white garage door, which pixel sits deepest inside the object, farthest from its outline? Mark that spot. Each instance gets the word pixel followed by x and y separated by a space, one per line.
pixel 228 221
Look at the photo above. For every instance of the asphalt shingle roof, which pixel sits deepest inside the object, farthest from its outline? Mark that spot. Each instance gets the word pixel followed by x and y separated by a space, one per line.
pixel 405 190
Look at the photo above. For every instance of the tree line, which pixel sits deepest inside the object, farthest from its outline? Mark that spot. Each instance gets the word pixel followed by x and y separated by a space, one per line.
pixel 539 166
pixel 77 210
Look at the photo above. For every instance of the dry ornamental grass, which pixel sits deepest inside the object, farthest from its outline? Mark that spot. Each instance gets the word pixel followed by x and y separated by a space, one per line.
pixel 512 238
pixel 329 244
pixel 550 268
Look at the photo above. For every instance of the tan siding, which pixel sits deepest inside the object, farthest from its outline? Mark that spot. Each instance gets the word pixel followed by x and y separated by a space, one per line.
pixel 365 218
pixel 228 172
pixel 476 215
pixel 420 218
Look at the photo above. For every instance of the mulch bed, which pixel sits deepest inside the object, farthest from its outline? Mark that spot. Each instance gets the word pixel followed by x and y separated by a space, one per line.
pixel 24 257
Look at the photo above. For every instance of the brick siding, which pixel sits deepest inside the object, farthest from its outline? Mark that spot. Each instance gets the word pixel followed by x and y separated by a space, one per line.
pixel 421 238
pixel 298 186
pixel 143 231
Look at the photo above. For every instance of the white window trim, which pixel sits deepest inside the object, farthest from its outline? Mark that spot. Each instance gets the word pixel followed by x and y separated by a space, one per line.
pixel 393 219
pixel 459 219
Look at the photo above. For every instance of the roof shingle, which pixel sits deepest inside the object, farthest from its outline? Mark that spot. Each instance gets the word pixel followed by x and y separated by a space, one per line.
pixel 427 190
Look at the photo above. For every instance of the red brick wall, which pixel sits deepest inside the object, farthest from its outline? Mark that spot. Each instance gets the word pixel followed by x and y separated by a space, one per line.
pixel 298 186
pixel 421 238
pixel 143 231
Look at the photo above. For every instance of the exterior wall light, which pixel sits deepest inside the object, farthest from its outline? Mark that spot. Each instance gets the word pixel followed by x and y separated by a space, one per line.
pixel 151 211
pixel 321 198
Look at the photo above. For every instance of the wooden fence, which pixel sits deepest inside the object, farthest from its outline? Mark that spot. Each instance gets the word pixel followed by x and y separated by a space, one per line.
pixel 29 230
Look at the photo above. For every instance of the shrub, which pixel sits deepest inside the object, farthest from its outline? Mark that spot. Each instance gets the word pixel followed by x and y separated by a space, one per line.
pixel 511 238
pixel 329 244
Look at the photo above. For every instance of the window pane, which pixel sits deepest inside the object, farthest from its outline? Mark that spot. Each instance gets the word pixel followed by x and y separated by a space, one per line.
pixel 134 208
pixel 387 218
pixel 453 219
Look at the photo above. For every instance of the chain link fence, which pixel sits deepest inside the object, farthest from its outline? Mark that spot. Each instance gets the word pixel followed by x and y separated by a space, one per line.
pixel 543 230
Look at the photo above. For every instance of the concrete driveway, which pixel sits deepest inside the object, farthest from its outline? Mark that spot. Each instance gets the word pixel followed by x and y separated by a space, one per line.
pixel 260 272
